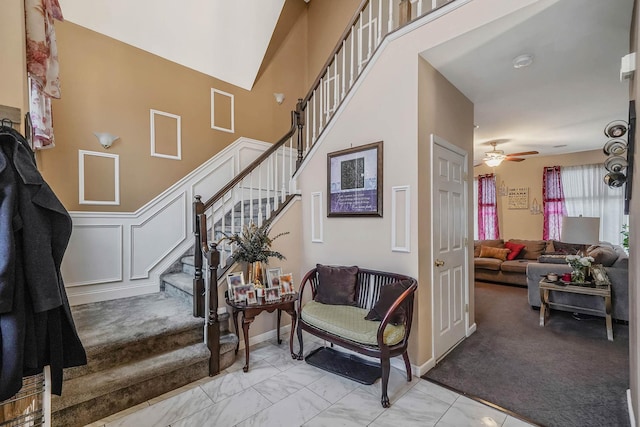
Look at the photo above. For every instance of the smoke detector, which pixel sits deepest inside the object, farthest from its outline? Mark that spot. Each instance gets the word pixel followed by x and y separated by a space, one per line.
pixel 522 61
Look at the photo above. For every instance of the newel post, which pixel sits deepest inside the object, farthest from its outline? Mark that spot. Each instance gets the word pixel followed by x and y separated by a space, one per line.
pixel 198 280
pixel 213 324
pixel 300 123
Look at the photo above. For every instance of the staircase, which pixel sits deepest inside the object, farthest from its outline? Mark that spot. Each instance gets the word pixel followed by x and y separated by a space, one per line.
pixel 142 347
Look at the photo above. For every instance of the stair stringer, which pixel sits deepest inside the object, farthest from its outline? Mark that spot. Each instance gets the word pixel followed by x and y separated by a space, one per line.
pixel 116 255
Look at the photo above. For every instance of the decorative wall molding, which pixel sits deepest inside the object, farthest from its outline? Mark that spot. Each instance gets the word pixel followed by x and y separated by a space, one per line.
pixel 149 240
pixel 317 234
pixel 81 178
pixel 152 121
pixel 84 251
pixel 230 129
pixel 401 219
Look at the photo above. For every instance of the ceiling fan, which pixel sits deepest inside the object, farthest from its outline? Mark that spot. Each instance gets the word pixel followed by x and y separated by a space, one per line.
pixel 494 157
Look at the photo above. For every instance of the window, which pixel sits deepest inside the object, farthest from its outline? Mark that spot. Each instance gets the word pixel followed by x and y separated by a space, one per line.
pixel 487 208
pixel 552 203
pixel 586 194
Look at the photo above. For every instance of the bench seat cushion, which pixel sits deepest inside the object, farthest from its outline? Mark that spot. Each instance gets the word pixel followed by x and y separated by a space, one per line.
pixel 349 323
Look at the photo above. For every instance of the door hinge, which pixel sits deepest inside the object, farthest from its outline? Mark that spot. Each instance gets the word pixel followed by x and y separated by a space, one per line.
pixel 466 241
pixel 466 308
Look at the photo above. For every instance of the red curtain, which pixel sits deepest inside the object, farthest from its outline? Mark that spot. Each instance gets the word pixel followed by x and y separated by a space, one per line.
pixel 487 208
pixel 552 203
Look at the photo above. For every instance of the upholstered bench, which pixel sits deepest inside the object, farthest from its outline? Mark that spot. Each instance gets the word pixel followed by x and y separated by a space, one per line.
pixel 366 311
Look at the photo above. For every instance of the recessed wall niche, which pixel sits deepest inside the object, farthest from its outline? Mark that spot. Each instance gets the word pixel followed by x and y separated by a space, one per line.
pixel 166 130
pixel 222 111
pixel 98 178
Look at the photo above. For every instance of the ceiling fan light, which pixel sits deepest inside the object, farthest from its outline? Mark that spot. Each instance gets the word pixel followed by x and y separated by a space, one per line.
pixel 492 162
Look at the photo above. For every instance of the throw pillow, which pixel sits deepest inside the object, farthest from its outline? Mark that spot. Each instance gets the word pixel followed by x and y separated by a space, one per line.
pixel 604 255
pixel 498 253
pixel 388 295
pixel 566 248
pixel 498 243
pixel 515 249
pixel 532 248
pixel 336 285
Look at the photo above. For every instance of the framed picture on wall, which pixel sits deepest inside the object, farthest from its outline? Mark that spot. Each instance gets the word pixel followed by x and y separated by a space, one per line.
pixel 354 181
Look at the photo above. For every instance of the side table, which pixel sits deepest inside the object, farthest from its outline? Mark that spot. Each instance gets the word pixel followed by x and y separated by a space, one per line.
pixel 600 291
pixel 250 311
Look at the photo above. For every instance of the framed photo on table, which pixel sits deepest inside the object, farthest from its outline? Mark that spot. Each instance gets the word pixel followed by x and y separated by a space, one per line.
pixel 234 279
pixel 286 284
pixel 251 297
pixel 599 275
pixel 240 292
pixel 273 277
pixel 354 181
pixel 272 294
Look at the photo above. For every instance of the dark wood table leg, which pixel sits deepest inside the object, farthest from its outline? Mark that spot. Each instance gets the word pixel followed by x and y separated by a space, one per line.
pixel 294 319
pixel 279 316
pixel 235 325
pixel 245 329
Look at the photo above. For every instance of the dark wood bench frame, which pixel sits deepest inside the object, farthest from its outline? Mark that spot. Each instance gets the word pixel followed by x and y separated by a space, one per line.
pixel 363 289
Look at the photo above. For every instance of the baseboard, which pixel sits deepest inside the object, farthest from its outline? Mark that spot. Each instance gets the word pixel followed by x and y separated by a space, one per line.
pixel 426 367
pixel 632 417
pixel 267 336
pixel 471 330
pixel 111 294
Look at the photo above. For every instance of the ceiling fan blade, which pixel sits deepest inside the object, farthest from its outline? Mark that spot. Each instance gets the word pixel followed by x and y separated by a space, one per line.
pixel 524 153
pixel 515 159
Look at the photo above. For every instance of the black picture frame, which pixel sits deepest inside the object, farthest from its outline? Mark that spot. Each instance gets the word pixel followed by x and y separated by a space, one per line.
pixel 354 181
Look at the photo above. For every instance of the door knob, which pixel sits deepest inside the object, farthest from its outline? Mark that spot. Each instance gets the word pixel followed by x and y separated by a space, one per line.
pixel 439 263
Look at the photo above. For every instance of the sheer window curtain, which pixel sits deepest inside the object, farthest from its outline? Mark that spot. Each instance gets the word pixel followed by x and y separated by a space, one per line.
pixel 586 194
pixel 552 203
pixel 487 208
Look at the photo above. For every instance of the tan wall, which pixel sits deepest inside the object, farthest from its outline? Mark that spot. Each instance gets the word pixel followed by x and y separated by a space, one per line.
pixel 634 243
pixel 443 111
pixel 327 19
pixel 519 223
pixel 109 86
pixel 13 67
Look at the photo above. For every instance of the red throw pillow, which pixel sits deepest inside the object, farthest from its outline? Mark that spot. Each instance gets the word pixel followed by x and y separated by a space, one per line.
pixel 515 249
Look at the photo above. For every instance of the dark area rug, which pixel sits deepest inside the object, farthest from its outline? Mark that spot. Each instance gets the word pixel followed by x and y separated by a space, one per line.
pixel 346 365
pixel 564 374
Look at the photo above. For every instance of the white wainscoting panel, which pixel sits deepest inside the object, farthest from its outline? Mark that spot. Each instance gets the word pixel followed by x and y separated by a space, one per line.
pixel 121 254
pixel 401 219
pixel 94 255
pixel 317 234
pixel 154 239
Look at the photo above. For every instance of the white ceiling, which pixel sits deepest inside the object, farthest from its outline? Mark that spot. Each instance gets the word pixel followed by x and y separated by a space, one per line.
pixel 226 39
pixel 569 93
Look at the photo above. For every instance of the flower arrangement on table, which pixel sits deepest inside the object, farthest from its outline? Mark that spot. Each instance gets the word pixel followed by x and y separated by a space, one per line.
pixel 253 246
pixel 579 264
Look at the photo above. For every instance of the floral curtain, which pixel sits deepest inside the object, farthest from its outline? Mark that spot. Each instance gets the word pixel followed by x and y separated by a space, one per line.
pixel 42 66
pixel 487 208
pixel 552 203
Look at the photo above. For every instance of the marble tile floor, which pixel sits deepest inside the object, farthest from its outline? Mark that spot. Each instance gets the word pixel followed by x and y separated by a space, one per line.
pixel 279 391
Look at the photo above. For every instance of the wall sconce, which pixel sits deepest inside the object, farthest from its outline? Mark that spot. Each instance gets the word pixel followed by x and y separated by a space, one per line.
pixel 535 208
pixel 279 97
pixel 105 138
pixel 502 190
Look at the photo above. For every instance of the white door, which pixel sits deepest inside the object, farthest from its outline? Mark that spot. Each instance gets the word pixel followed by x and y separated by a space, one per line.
pixel 449 202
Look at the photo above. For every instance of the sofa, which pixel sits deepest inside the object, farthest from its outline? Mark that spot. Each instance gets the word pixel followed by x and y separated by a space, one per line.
pixel 498 261
pixel 616 265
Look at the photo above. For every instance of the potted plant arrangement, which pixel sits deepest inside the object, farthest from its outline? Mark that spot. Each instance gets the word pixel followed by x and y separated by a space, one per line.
pixel 579 264
pixel 253 247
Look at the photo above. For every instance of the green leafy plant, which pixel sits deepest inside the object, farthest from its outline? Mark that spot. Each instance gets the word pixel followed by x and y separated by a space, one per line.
pixel 625 235
pixel 254 244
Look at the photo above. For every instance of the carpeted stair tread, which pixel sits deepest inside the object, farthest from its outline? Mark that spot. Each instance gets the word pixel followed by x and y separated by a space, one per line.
pixel 104 382
pixel 130 320
pixel 182 281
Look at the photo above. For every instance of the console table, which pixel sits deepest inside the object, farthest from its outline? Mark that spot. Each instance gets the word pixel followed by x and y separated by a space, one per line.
pixel 599 291
pixel 250 311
